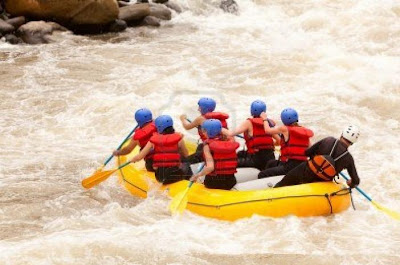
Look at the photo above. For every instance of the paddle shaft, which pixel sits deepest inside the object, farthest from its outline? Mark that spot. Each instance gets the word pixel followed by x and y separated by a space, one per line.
pixel 357 188
pixel 122 143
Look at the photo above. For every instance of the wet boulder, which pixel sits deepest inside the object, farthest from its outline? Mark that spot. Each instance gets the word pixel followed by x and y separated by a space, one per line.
pixel 5 28
pixel 38 32
pixel 16 22
pixel 160 11
pixel 174 6
pixel 151 21
pixel 72 13
pixel 230 6
pixel 160 1
pixel 117 26
pixel 133 14
pixel 12 39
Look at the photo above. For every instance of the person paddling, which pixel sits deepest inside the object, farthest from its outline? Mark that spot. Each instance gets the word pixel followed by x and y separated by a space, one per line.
pixel 328 158
pixel 142 135
pixel 206 109
pixel 295 139
pixel 168 147
pixel 220 158
pixel 260 145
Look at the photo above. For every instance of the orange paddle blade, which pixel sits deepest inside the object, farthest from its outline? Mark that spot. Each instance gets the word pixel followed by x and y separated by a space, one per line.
pixel 97 178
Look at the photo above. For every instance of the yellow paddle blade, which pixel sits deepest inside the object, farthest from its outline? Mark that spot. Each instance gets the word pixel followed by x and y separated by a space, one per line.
pixel 391 213
pixel 179 202
pixel 97 178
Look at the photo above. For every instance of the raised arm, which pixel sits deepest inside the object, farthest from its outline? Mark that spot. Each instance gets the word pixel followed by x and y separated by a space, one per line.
pixel 241 128
pixel 190 125
pixel 127 149
pixel 145 151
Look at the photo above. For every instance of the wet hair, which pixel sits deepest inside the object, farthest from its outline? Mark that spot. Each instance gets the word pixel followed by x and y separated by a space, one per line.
pixel 169 130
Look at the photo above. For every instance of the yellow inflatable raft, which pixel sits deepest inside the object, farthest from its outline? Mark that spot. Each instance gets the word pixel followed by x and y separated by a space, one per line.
pixel 313 199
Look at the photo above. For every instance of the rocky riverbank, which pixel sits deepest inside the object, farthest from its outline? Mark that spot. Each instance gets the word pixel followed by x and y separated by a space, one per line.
pixel 34 21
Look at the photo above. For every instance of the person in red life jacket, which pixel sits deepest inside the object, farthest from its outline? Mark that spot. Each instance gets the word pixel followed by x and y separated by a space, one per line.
pixel 295 139
pixel 328 157
pixel 142 135
pixel 220 158
pixel 206 109
pixel 260 145
pixel 168 147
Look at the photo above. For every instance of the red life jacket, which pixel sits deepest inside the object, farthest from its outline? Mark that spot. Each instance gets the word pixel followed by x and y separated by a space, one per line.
pixel 213 115
pixel 143 135
pixel 224 155
pixel 298 142
pixel 166 150
pixel 260 140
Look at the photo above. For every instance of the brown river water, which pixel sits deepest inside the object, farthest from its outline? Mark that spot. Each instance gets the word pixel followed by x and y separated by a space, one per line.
pixel 65 106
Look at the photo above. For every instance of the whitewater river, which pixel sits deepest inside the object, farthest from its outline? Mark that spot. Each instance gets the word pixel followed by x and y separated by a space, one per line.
pixel 65 106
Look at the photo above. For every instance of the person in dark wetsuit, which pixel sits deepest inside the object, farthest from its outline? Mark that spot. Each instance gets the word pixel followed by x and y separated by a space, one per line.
pixel 295 139
pixel 336 149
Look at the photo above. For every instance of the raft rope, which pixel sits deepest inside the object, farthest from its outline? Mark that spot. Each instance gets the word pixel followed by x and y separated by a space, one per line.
pixel 328 196
pixel 123 177
pixel 341 192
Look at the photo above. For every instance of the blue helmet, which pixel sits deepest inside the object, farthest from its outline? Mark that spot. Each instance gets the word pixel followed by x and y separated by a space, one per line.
pixel 213 127
pixel 257 107
pixel 206 105
pixel 143 116
pixel 289 116
pixel 163 122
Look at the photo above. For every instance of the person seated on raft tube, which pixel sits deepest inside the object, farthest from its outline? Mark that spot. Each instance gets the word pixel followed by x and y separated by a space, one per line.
pixel 142 135
pixel 260 145
pixel 295 139
pixel 328 157
pixel 168 147
pixel 206 109
pixel 220 158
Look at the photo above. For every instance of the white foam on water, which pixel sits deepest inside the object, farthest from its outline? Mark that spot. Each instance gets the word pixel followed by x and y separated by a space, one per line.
pixel 66 106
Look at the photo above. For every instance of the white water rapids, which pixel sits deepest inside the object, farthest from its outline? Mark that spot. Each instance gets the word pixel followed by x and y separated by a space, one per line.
pixel 65 106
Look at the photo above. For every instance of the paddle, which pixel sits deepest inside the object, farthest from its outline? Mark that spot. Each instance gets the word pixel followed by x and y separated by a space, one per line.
pixel 391 213
pixel 96 178
pixel 101 176
pixel 179 202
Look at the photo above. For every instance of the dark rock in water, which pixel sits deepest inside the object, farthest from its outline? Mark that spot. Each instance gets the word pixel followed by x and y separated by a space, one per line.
pixel 16 22
pixel 10 38
pixel 68 12
pixel 1 8
pixel 123 3
pixel 133 14
pixel 151 21
pixel 5 27
pixel 174 6
pixel 117 26
pixel 160 1
pixel 160 11
pixel 37 32
pixel 142 1
pixel 230 6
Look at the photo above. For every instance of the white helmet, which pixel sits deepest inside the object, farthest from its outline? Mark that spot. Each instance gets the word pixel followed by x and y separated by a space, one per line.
pixel 351 133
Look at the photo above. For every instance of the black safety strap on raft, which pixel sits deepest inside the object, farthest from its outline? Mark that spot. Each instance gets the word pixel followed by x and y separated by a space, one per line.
pixel 327 196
